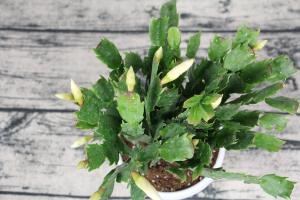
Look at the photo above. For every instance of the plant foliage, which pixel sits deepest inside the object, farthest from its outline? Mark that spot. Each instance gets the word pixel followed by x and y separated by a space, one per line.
pixel 171 107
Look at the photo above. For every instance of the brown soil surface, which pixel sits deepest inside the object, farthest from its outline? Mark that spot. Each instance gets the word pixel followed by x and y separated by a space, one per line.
pixel 164 181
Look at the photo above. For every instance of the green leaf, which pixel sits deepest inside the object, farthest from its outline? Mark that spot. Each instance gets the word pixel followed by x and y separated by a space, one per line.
pixel 284 104
pixel 243 140
pixel 218 48
pixel 193 45
pixel 206 111
pixel 174 38
pixel 195 78
pixel 226 112
pixel 282 68
pixel 96 156
pixel 169 10
pixel 214 76
pixel 90 109
pixel 135 192
pixel 134 60
pixel 218 174
pixel 194 115
pixel 277 186
pixel 130 108
pixel 168 98
pixel 179 173
pixel 267 142
pixel 272 184
pixel 245 35
pixel 225 137
pixel 133 130
pixel 271 120
pixel 84 125
pixel 125 174
pixel 178 148
pixel 257 72
pixel 148 153
pixel 272 70
pixel 108 53
pixel 103 90
pixel 193 101
pixel 247 118
pixel 109 182
pixel 153 94
pixel 158 31
pixel 107 130
pixel 172 130
pixel 203 153
pixel 197 172
pixel 244 55
pixel 259 95
pixel 198 109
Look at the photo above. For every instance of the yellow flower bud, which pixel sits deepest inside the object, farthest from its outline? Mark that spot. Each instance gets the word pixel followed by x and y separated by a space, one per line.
pixel 158 55
pixel 82 141
pixel 76 93
pixel 145 185
pixel 259 45
pixel 65 96
pixel 195 142
pixel 83 164
pixel 217 102
pixel 97 195
pixel 130 79
pixel 177 71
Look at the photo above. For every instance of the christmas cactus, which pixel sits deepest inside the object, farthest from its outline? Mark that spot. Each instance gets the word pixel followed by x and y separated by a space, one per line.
pixel 170 107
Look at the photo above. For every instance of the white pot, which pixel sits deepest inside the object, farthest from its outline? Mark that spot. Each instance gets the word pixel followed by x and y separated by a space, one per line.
pixel 194 189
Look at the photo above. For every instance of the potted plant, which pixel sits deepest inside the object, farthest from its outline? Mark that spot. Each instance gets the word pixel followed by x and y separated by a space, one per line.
pixel 165 120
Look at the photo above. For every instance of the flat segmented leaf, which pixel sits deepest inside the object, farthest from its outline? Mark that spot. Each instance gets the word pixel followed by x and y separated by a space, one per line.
pixel 284 104
pixel 218 48
pixel 108 53
pixel 169 10
pixel 193 45
pixel 96 156
pixel 244 55
pixel 178 148
pixel 158 31
pixel 267 142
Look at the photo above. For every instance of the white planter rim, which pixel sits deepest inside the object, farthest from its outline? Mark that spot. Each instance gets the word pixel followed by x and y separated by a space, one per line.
pixel 198 187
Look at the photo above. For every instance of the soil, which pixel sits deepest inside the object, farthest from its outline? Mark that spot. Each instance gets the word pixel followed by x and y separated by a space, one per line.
pixel 164 181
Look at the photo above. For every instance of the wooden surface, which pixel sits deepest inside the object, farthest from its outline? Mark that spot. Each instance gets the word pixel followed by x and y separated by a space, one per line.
pixel 45 43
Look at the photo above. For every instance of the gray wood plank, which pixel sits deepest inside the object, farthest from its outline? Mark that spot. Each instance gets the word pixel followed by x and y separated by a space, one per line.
pixel 114 15
pixel 36 158
pixel 36 65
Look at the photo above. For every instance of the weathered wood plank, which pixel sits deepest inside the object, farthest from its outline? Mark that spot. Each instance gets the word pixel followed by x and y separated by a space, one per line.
pixel 41 64
pixel 134 15
pixel 36 158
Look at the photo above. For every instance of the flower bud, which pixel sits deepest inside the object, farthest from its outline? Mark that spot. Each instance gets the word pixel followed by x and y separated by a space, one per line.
pixel 97 195
pixel 145 185
pixel 259 45
pixel 82 141
pixel 83 164
pixel 76 93
pixel 177 71
pixel 130 79
pixel 217 102
pixel 158 55
pixel 195 142
pixel 65 96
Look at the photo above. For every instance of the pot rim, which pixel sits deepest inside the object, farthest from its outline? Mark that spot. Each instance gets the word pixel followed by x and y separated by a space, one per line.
pixel 196 188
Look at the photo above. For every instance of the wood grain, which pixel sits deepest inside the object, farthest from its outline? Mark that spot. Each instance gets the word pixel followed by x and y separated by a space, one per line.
pixel 45 43
pixel 35 66
pixel 132 15
pixel 36 158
